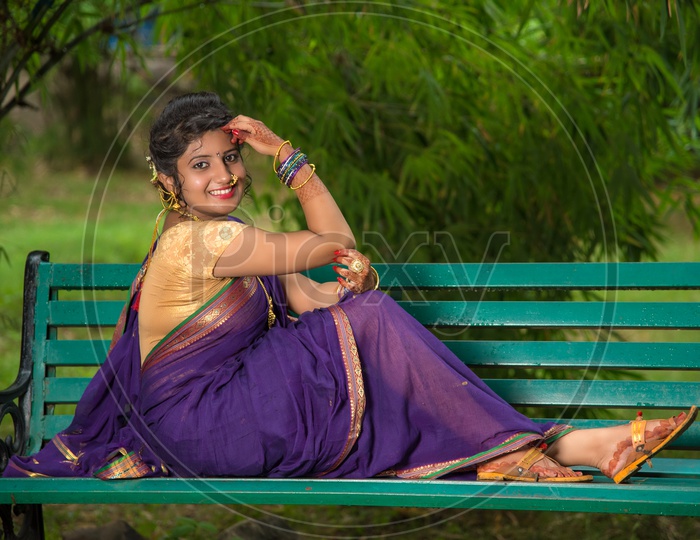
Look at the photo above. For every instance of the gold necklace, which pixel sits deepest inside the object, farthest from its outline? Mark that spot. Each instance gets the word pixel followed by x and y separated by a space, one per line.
pixel 270 313
pixel 186 214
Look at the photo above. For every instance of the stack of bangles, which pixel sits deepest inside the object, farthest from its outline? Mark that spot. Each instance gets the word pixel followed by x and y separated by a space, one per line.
pixel 289 168
pixel 342 291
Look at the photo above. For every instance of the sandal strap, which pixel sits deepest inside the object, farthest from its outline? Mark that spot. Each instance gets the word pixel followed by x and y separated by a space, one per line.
pixel 529 459
pixel 638 433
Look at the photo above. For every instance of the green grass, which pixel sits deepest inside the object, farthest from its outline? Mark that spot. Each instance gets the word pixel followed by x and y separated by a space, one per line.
pixel 59 213
pixel 196 522
pixel 68 222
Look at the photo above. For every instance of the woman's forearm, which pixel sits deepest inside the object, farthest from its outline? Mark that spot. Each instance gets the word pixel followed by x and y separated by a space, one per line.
pixel 323 216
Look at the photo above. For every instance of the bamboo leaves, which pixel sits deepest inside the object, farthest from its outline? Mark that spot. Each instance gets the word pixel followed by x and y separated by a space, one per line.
pixel 573 127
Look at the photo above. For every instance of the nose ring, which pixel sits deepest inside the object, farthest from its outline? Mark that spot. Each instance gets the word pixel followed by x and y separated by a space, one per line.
pixel 234 180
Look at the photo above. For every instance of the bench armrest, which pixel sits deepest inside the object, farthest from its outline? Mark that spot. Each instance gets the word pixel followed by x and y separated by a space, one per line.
pixel 20 389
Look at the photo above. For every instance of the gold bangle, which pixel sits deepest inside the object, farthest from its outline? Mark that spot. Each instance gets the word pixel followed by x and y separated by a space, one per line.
pixel 277 155
pixel 376 276
pixel 313 170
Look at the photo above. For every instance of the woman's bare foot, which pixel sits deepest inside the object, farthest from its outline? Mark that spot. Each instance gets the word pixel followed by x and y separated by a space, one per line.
pixel 619 454
pixel 545 467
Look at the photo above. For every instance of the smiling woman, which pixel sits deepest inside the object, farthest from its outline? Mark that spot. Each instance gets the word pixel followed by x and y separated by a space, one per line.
pixel 209 172
pixel 209 375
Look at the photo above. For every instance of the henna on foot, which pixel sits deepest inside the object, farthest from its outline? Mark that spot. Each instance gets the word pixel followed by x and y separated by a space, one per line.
pixel 625 457
pixel 545 467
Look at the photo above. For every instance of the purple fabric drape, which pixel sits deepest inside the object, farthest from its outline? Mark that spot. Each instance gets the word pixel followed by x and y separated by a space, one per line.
pixel 104 418
pixel 356 390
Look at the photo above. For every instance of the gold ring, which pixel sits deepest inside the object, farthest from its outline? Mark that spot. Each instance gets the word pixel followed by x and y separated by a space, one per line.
pixel 357 266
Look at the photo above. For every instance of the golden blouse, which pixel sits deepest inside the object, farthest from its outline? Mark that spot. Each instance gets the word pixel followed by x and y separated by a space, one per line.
pixel 180 277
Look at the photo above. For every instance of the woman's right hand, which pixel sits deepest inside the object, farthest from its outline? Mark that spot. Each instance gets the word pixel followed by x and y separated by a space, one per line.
pixel 261 138
pixel 356 280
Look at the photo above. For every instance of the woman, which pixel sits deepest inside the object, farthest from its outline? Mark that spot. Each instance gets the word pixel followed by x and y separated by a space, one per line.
pixel 209 376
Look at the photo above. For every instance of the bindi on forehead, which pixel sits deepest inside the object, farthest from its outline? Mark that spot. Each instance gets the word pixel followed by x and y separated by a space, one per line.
pixel 217 143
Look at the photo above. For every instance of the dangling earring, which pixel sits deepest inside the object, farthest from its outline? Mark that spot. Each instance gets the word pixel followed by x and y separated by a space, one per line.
pixel 170 202
pixel 234 180
pixel 154 173
pixel 168 199
pixel 164 199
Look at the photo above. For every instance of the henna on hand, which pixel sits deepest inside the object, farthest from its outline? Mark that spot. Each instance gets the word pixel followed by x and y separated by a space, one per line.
pixel 313 188
pixel 261 138
pixel 357 282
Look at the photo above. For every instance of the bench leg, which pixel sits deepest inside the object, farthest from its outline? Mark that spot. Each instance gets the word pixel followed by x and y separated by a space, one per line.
pixel 32 525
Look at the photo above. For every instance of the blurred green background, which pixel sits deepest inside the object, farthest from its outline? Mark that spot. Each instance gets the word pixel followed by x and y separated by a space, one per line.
pixel 571 126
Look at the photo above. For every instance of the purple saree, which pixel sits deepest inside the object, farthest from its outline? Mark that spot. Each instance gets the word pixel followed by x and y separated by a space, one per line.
pixel 357 390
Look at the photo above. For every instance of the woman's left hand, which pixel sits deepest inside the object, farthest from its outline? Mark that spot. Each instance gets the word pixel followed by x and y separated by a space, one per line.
pixel 357 277
pixel 243 129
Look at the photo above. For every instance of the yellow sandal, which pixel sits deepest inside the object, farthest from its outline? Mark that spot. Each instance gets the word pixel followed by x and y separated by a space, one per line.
pixel 520 472
pixel 644 450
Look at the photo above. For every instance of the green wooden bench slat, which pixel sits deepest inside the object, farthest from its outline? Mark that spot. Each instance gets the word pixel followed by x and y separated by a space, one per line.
pixel 571 354
pixel 690 439
pixel 64 389
pixel 610 394
pixel 557 314
pixel 518 314
pixel 647 495
pixel 577 276
pixel 79 352
pixel 532 392
pixel 670 467
pixel 80 313
pixel 546 354
pixel 53 423
pixel 92 276
pixel 549 275
pixel 426 276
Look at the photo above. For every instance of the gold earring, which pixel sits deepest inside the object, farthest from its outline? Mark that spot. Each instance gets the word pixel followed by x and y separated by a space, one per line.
pixel 154 173
pixel 234 180
pixel 168 199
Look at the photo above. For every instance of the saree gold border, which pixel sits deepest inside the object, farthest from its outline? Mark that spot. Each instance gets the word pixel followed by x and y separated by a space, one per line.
pixel 436 470
pixel 65 451
pixel 557 431
pixel 30 474
pixel 129 465
pixel 217 316
pixel 356 387
pixel 220 307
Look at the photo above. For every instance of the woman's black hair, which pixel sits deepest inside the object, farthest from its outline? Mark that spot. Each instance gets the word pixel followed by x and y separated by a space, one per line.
pixel 185 118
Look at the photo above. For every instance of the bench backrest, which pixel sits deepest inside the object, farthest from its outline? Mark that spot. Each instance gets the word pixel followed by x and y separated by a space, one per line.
pixel 594 335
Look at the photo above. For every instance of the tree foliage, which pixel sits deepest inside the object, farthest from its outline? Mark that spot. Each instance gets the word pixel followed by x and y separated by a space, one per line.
pixel 556 130
pixel 37 35
pixel 84 61
pixel 568 128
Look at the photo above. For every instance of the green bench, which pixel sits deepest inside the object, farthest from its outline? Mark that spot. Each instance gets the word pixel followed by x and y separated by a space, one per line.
pixel 613 356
